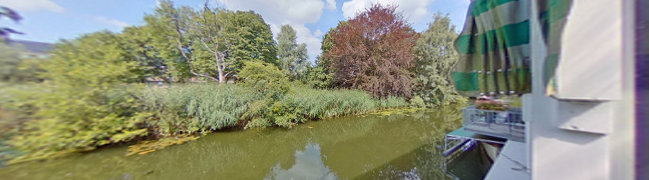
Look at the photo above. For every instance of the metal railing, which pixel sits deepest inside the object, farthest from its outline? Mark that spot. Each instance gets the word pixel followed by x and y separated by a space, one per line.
pixel 506 124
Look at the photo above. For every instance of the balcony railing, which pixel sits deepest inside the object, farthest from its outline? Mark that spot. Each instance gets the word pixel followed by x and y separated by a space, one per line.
pixel 507 124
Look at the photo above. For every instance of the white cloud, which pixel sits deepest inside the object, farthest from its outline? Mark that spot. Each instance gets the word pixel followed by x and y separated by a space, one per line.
pixel 413 10
pixel 331 4
pixel 317 33
pixel 296 13
pixel 112 22
pixel 33 5
pixel 312 40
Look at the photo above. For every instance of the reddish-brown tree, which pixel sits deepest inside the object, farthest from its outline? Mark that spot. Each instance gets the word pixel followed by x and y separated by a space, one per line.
pixel 373 52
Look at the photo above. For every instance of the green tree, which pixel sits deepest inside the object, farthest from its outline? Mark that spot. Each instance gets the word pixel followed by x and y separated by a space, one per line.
pixel 82 104
pixel 138 42
pixel 9 61
pixel 327 45
pixel 248 38
pixel 215 42
pixel 14 68
pixel 321 75
pixel 193 31
pixel 318 76
pixel 293 57
pixel 435 59
pixel 160 37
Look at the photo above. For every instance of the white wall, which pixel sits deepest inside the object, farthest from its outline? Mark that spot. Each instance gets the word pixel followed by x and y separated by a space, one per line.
pixel 581 140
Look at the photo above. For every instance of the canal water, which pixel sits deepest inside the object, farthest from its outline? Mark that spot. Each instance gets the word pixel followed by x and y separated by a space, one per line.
pixel 396 146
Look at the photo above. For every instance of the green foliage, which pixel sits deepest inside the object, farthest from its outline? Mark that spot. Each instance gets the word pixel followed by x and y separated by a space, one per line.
pixel 83 104
pixel 249 38
pixel 14 107
pixel 303 104
pixel 321 75
pixel 158 35
pixel 327 44
pixel 318 104
pixel 16 69
pixel 9 61
pixel 271 83
pixel 97 59
pixel 318 77
pixel 193 108
pixel 417 102
pixel 265 78
pixel 89 97
pixel 435 58
pixel 213 43
pixel 142 45
pixel 13 116
pixel 196 108
pixel 293 57
pixel 79 119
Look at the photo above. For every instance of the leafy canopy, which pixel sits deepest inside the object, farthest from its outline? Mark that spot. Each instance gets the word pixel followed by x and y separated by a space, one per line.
pixel 373 52
pixel 435 58
pixel 82 104
pixel 293 57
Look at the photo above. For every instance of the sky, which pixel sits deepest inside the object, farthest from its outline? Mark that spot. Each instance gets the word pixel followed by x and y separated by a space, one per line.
pixel 53 20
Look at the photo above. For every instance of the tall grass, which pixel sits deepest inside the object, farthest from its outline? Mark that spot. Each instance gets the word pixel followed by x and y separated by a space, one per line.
pixel 207 107
pixel 317 104
pixel 192 108
pixel 122 114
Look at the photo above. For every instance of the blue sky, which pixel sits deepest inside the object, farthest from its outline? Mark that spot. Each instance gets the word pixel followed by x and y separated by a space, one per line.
pixel 52 20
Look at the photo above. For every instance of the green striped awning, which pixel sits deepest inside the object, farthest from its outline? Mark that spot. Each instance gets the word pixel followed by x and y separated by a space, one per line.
pixel 552 16
pixel 494 46
pixel 494 49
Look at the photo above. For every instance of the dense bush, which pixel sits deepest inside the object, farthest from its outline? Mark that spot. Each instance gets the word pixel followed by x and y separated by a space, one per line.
pixel 435 57
pixel 373 52
pixel 265 78
pixel 15 68
pixel 318 77
pixel 84 102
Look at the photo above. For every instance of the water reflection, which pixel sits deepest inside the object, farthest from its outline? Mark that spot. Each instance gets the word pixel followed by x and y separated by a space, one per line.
pixel 355 147
pixel 308 165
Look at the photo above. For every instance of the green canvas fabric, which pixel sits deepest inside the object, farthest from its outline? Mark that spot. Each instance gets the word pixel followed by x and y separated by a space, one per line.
pixel 494 49
pixel 552 16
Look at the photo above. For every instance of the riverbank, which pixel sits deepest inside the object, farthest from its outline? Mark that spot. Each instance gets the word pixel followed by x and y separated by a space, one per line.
pixel 150 113
pixel 369 146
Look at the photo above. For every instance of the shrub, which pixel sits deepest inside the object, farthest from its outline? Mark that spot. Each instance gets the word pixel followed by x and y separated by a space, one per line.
pixel 84 102
pixel 417 102
pixel 265 78
pixel 78 119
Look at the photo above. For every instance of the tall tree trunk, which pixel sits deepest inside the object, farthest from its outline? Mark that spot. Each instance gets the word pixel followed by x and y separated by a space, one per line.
pixel 220 67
